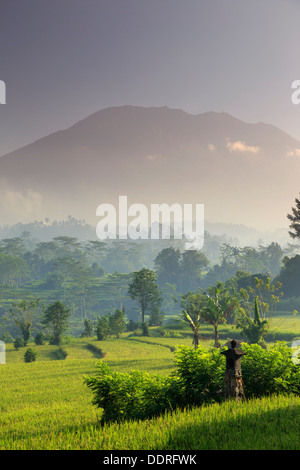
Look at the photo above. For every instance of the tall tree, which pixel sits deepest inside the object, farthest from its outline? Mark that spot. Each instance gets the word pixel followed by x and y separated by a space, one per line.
pixel 167 265
pixel 191 312
pixel 143 288
pixel 12 246
pixel 23 313
pixel 117 322
pixel 290 276
pixel 13 269
pixel 295 220
pixel 218 304
pixel 272 256
pixel 192 265
pixel 156 315
pixel 269 294
pixel 194 324
pixel 56 317
pixel 170 297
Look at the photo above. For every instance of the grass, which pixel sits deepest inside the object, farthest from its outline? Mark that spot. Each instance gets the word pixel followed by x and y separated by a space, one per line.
pixel 216 427
pixel 63 418
pixel 45 405
pixel 285 327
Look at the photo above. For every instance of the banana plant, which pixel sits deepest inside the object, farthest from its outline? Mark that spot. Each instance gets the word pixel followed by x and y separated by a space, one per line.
pixel 195 325
pixel 216 309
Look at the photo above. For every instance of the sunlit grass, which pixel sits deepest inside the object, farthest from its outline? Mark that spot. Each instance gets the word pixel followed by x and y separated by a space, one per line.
pixel 45 404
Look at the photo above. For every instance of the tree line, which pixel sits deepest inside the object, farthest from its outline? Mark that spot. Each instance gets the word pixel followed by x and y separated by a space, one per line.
pixel 71 272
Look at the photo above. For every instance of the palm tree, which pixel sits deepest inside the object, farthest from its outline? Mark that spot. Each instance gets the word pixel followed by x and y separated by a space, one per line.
pixel 195 325
pixel 216 309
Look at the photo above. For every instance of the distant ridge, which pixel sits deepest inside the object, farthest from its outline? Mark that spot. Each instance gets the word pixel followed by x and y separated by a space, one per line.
pixel 46 230
pixel 244 173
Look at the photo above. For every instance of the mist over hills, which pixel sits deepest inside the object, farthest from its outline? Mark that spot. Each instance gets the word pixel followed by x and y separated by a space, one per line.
pixel 233 234
pixel 245 174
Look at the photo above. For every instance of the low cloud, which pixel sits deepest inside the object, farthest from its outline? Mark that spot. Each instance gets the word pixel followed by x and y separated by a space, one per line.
pixel 241 147
pixel 25 203
pixel 156 156
pixel 293 152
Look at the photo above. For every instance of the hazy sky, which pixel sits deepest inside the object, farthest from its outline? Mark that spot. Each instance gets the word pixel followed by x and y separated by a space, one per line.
pixel 62 60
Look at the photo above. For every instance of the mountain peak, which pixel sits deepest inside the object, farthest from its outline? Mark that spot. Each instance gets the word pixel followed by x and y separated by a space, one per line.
pixel 154 155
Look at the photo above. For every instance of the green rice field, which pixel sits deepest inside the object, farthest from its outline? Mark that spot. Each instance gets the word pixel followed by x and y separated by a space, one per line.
pixel 45 405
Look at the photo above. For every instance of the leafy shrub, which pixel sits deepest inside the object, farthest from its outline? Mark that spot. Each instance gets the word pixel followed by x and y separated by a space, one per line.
pixel 18 343
pixel 88 328
pixel 134 395
pixel 198 379
pixel 201 374
pixel 254 329
pixel 102 328
pixel 39 339
pixel 30 355
pixel 271 371
pixel 145 329
pixel 131 325
pixel 264 372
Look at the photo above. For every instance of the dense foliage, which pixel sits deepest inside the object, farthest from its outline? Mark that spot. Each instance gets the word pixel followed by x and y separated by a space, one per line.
pixel 134 395
pixel 198 379
pixel 49 397
pixel 92 277
pixel 111 324
pixel 254 329
pixel 30 355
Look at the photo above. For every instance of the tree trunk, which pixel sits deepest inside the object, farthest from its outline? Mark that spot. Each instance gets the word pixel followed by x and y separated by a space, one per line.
pixel 196 339
pixel 217 344
pixel 143 314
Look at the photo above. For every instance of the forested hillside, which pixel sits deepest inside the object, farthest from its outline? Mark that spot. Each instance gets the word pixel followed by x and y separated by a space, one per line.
pixel 92 277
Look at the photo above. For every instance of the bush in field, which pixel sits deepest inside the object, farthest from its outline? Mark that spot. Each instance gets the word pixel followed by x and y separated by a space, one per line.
pixel 254 329
pixel 265 372
pixel 30 355
pixel 134 395
pixel 201 374
pixel 88 328
pixel 131 325
pixel 18 343
pixel 102 328
pixel 111 324
pixel 271 371
pixel 198 379
pixel 39 339
pixel 117 322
